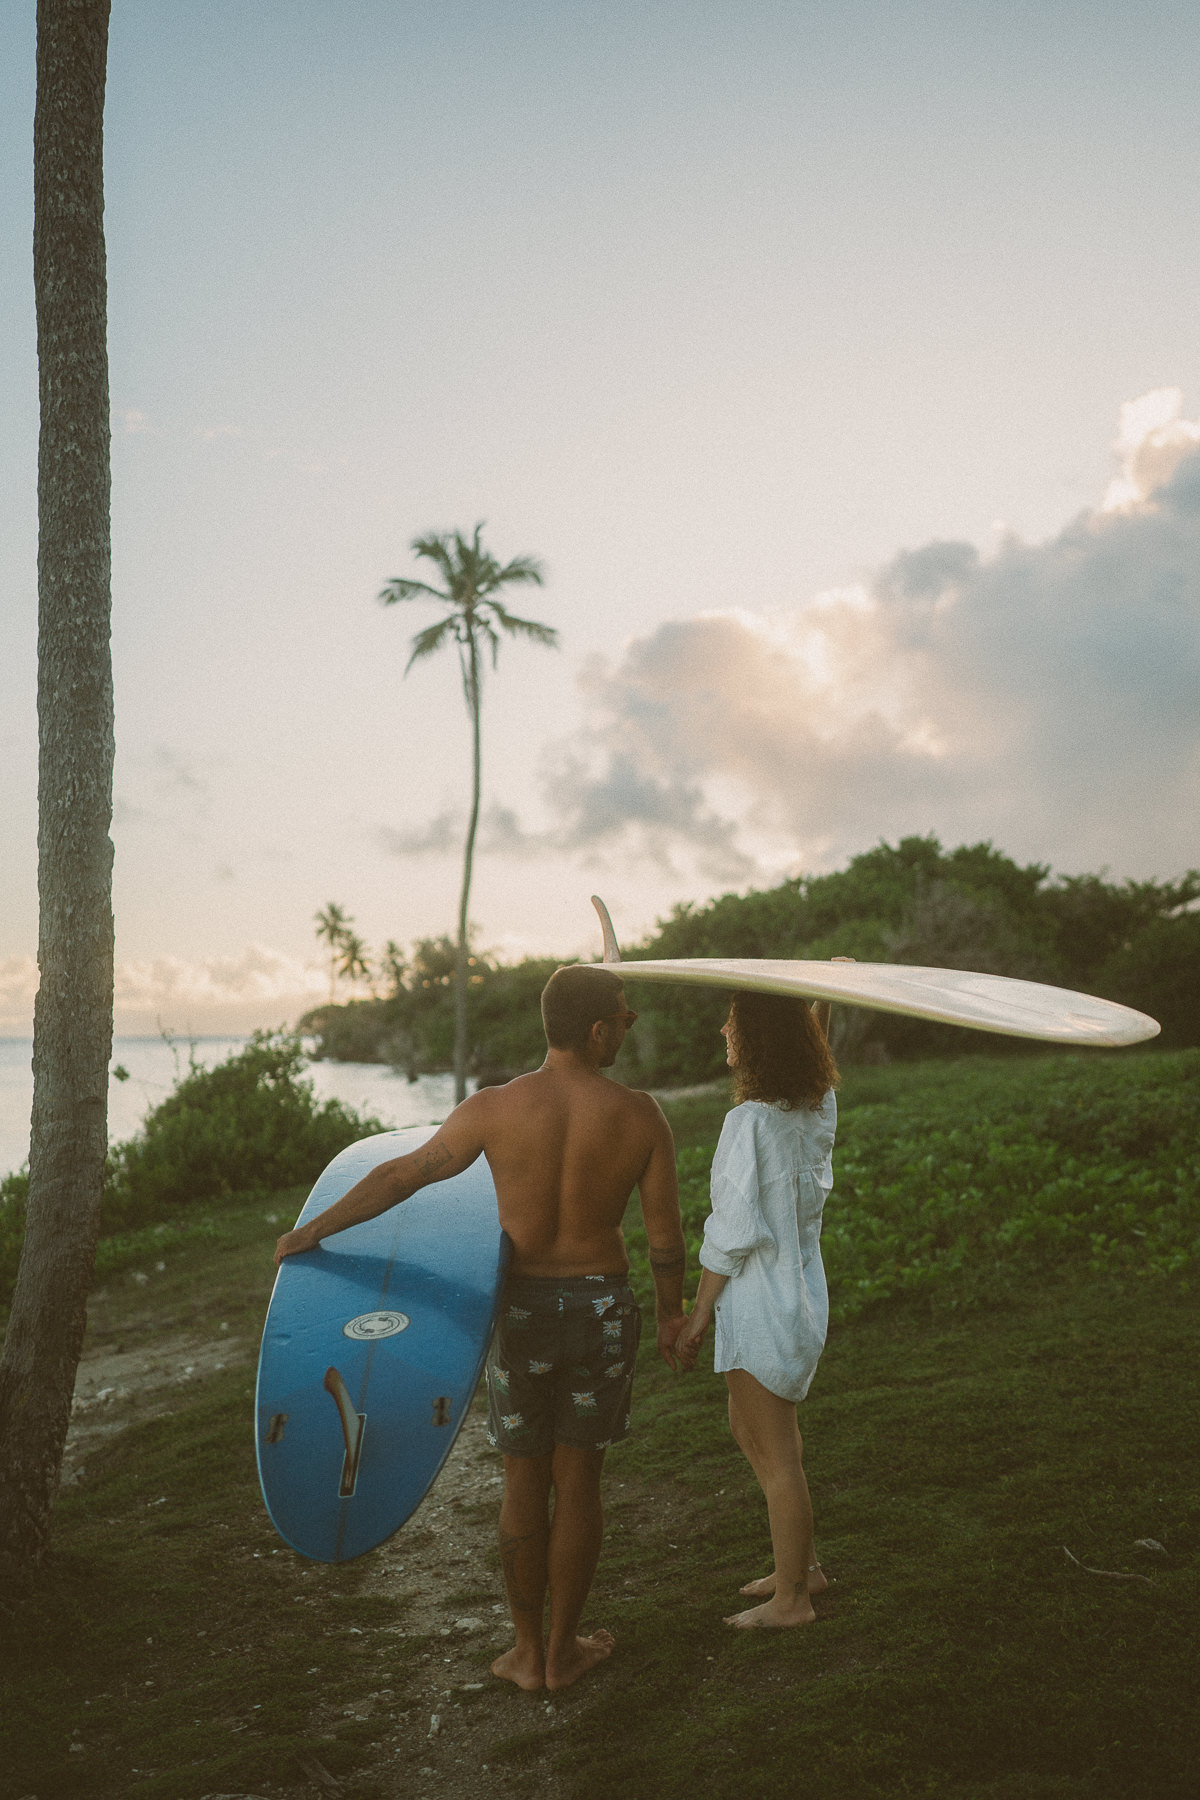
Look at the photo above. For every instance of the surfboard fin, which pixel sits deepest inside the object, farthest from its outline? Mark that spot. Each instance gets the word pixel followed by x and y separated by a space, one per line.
pixel 353 1426
pixel 612 950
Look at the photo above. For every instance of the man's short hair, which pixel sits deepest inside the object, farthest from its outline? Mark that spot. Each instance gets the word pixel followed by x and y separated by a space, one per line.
pixel 574 998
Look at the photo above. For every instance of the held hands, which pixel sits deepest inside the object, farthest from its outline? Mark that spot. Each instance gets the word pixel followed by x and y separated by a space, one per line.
pixel 668 1333
pixel 687 1344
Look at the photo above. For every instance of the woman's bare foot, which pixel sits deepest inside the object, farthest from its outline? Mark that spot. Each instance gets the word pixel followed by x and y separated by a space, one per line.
pixel 578 1658
pixel 774 1615
pixel 762 1589
pixel 525 1667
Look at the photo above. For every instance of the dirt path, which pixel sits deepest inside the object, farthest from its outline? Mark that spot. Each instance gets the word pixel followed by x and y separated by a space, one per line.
pixel 440 1570
pixel 118 1388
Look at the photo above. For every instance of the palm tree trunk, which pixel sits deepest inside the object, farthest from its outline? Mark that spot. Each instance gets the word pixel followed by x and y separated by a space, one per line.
pixel 461 966
pixel 73 1018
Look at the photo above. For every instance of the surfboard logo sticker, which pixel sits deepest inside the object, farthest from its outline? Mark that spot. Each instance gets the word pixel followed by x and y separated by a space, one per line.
pixel 369 1326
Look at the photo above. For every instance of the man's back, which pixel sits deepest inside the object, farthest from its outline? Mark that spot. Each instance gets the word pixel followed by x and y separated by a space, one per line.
pixel 566 1148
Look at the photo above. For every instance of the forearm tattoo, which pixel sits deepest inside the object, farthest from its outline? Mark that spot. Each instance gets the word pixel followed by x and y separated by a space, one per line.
pixel 668 1262
pixel 436 1157
pixel 432 1158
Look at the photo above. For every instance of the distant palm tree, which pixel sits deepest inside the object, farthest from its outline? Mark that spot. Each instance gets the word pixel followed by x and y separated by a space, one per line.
pixel 332 925
pixel 474 617
pixel 353 961
pixel 393 966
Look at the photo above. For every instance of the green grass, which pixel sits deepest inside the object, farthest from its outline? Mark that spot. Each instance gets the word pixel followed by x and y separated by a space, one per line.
pixel 960 1433
pixel 961 1181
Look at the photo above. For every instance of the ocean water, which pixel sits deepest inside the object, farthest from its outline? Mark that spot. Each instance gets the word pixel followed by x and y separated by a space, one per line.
pixel 154 1065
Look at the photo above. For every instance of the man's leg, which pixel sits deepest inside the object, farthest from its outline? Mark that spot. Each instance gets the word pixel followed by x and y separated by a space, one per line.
pixel 524 1536
pixel 765 1428
pixel 575 1538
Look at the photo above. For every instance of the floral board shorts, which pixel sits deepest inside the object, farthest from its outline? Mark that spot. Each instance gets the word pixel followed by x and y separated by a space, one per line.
pixel 560 1369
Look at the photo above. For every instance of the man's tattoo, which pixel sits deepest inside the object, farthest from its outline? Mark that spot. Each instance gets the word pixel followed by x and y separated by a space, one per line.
pixel 510 1549
pixel 436 1157
pixel 667 1262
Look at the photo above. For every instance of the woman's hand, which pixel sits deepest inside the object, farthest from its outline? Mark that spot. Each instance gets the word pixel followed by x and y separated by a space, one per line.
pixel 687 1344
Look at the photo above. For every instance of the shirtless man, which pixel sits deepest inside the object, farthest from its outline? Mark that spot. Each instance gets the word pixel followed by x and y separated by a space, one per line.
pixel 566 1147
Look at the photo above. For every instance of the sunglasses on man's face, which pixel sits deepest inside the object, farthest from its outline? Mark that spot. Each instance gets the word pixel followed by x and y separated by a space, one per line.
pixel 626 1018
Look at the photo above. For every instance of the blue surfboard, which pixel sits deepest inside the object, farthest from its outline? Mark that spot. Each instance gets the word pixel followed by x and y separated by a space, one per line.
pixel 373 1347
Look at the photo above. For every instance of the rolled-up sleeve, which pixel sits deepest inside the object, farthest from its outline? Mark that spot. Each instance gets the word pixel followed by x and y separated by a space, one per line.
pixel 736 1225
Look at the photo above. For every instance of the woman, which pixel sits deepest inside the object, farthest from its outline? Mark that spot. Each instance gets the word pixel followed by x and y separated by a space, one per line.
pixel 762 1276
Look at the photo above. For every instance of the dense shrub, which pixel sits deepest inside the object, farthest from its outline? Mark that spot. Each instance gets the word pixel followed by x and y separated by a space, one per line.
pixel 250 1125
pixel 915 903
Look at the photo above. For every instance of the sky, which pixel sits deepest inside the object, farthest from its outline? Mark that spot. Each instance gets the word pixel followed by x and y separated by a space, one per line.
pixel 838 361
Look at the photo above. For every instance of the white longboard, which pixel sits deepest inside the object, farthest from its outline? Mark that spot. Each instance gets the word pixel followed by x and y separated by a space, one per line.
pixel 1029 1009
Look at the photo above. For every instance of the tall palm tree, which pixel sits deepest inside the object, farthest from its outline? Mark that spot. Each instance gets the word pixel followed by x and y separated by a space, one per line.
pixel 332 924
pixel 473 621
pixel 72 1032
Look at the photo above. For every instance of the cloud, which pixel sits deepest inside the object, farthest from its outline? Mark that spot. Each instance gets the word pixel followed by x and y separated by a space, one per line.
pixel 225 993
pixel 500 834
pixel 169 791
pixel 258 986
pixel 1044 696
pixel 174 775
pixel 434 838
pixel 1152 442
pixel 257 974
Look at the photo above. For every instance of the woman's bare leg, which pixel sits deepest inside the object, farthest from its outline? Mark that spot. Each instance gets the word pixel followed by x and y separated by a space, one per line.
pixel 764 1587
pixel 764 1426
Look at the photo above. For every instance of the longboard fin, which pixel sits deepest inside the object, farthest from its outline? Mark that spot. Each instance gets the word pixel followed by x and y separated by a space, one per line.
pixel 353 1426
pixel 612 950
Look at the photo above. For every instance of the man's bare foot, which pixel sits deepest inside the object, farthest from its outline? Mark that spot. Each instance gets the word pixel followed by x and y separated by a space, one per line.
pixel 525 1667
pixel 577 1659
pixel 762 1589
pixel 774 1615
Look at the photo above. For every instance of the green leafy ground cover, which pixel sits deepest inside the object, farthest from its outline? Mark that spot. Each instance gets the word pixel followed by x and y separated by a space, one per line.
pixel 959 1181
pixel 1031 1396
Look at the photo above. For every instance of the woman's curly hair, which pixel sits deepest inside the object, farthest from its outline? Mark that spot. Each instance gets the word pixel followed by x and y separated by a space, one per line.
pixel 782 1053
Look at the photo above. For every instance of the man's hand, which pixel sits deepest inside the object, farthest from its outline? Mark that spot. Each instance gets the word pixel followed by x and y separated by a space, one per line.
pixel 668 1332
pixel 687 1344
pixel 293 1243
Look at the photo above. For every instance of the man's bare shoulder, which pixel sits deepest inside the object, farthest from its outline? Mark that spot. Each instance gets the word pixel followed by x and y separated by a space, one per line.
pixel 643 1105
pixel 509 1094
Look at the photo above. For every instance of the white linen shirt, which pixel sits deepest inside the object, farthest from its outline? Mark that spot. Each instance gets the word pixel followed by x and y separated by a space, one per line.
pixel 770 1178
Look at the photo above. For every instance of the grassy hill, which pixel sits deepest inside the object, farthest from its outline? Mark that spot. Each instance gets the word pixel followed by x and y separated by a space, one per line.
pixel 1011 1375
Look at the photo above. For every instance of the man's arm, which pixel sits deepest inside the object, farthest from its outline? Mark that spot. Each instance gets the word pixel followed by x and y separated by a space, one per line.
pixel 451 1150
pixel 658 1188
